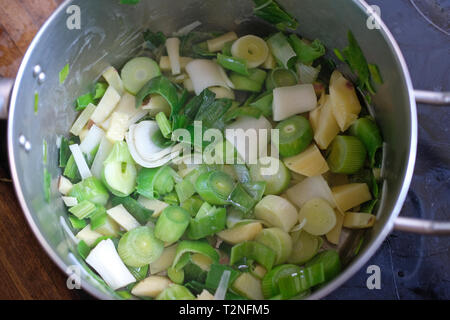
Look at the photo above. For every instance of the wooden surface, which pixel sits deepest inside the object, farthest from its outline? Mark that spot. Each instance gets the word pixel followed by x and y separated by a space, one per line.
pixel 26 272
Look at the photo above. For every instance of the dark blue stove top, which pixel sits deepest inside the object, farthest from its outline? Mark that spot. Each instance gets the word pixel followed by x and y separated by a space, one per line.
pixel 413 266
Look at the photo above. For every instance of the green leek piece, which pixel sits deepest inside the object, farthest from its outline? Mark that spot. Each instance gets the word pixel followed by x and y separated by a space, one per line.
pixel 215 274
pixel 237 65
pixel 177 276
pixel 226 50
pixel 295 135
pixel 254 251
pixel 64 152
pixel 139 247
pixel 280 77
pixel 347 155
pixel 171 224
pixel 155 182
pixel 77 223
pixel 171 198
pixel 253 82
pixel 100 89
pixel 245 111
pixel 185 190
pixel 264 103
pixel 47 185
pixel 273 13
pixel 192 205
pixel 281 50
pixel 331 263
pixel 90 189
pixel 306 53
pixel 186 247
pixel 176 292
pixel 83 209
pixel 292 285
pixel 136 209
pixel 241 199
pixel 208 221
pixel 98 218
pixel 277 182
pixel 71 170
pixel 83 249
pixel 64 73
pixel 369 134
pixel 83 101
pixel 164 125
pixel 214 187
pixel 140 273
pixel 270 281
pixel 165 88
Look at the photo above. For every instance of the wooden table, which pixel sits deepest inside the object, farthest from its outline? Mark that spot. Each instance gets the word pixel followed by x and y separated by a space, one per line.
pixel 26 272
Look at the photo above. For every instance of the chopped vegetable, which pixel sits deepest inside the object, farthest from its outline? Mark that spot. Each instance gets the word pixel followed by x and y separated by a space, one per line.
pixel 331 263
pixel 277 240
pixel 237 65
pixel 277 181
pixel 106 261
pixel 367 131
pixel 306 278
pixel 206 73
pixel 309 188
pixel 218 43
pixel 280 77
pixel 281 49
pixel 295 135
pixel 305 246
pixel 309 163
pixel 358 220
pixel 306 53
pixel 214 187
pixel 319 215
pixel 289 101
pixel 240 233
pixel 139 247
pixel 253 82
pixel 123 217
pixel 171 224
pixel 347 155
pixel 106 105
pixel 82 119
pixel 90 189
pixel 277 212
pixel 253 250
pixel 64 73
pixel 251 49
pixel 270 286
pixel 175 292
pixel 151 286
pixel 272 12
pixel 248 286
pixel 208 221
pixel 113 79
pixel 350 195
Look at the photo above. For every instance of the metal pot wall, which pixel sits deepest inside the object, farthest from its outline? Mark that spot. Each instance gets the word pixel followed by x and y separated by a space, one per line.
pixel 110 33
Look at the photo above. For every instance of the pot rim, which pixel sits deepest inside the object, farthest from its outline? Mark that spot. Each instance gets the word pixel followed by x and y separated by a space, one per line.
pixel 355 265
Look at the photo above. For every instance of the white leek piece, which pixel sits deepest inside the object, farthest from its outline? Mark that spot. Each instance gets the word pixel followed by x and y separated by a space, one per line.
pixel 277 211
pixel 88 235
pixel 70 201
pixel 123 217
pixel 206 73
pixel 113 78
pixel 118 126
pixel 142 148
pixel 188 28
pixel 173 51
pixel 311 187
pixel 80 161
pixel 64 185
pixel 251 48
pixel 106 105
pixel 82 119
pixel 151 286
pixel 288 101
pixel 92 139
pixel 250 137
pixel 164 63
pixel 217 44
pixel 102 153
pixel 307 74
pixel 223 286
pixel 106 261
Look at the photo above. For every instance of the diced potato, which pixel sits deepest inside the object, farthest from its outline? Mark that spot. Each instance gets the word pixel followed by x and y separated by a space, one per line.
pixel 308 163
pixel 151 286
pixel 153 204
pixel 205 295
pixel 335 234
pixel 88 235
pixel 248 286
pixel 315 113
pixel 344 101
pixel 358 220
pixel 327 127
pixel 165 260
pixel 350 195
pixel 118 127
pixel 240 233
pixel 259 271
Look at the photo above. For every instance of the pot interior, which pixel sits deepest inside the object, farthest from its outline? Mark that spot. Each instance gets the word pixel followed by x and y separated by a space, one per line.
pixel 111 33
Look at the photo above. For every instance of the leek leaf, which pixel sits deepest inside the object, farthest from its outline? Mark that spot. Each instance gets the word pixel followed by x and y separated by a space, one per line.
pixel 273 13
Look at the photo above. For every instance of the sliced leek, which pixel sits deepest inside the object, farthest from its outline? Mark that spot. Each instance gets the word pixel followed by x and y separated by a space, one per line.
pixel 251 48
pixel 277 211
pixel 319 215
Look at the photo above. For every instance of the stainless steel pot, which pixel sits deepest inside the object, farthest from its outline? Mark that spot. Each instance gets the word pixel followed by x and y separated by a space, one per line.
pixel 110 33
